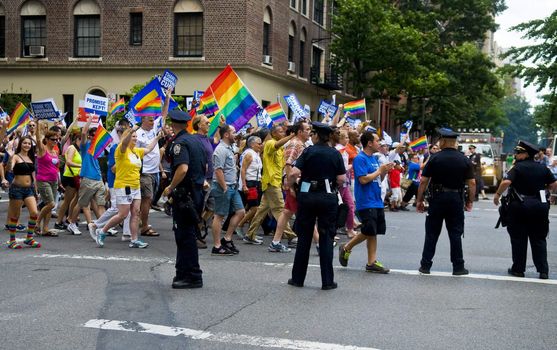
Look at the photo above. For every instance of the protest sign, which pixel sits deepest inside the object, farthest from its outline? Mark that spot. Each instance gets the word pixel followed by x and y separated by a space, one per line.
pixel 263 119
pixel 83 115
pixel 298 111
pixel 169 80
pixel 130 116
pixel 44 110
pixel 96 104
pixel 307 109
pixel 326 107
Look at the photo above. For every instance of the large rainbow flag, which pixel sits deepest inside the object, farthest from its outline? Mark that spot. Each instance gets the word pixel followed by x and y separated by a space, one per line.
pixel 276 113
pixel 100 141
pixel 20 116
pixel 419 143
pixel 356 107
pixel 118 106
pixel 233 98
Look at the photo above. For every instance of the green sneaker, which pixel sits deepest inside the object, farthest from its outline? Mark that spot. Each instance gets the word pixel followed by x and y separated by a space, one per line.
pixel 343 255
pixel 377 267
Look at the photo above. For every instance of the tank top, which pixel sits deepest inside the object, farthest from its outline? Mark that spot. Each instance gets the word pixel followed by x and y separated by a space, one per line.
pixel 23 168
pixel 75 159
pixel 253 172
pixel 47 167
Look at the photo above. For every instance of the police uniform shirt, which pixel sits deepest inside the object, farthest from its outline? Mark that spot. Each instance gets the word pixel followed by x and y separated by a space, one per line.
pixel 529 177
pixel 449 168
pixel 186 149
pixel 320 162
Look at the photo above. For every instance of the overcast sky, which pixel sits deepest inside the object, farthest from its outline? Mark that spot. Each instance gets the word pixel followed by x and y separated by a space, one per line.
pixel 519 11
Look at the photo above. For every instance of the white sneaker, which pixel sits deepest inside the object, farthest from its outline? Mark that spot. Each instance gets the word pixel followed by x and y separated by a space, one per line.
pixel 92 231
pixel 126 238
pixel 112 232
pixel 73 229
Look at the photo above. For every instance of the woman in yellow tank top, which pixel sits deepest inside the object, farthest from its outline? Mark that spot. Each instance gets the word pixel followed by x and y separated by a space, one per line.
pixel 70 179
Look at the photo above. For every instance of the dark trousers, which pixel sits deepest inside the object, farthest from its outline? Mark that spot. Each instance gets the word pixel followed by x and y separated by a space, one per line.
pixel 185 231
pixel 322 207
pixel 529 221
pixel 410 192
pixel 447 206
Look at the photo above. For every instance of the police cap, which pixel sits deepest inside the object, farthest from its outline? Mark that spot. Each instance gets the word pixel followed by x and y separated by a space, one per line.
pixel 472 146
pixel 526 147
pixel 320 127
pixel 447 133
pixel 178 116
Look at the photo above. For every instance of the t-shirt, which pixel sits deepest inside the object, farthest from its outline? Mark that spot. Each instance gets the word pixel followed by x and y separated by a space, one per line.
pixel 152 159
pixel 414 171
pixel 208 146
pixel 368 195
pixel 394 177
pixel 223 158
pixel 273 165
pixel 292 151
pixel 128 167
pixel 90 168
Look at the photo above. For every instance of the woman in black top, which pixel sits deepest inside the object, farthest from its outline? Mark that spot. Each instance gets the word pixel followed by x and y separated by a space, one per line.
pixel 22 190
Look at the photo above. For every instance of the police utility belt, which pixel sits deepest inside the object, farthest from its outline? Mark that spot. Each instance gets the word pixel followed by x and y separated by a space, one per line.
pixel 438 188
pixel 317 186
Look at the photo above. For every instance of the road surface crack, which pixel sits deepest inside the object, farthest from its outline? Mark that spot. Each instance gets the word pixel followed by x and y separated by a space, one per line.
pixel 222 320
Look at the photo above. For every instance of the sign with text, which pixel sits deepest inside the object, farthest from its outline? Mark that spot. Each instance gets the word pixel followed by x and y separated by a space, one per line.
pixel 298 111
pixel 44 110
pixel 326 107
pixel 169 80
pixel 96 104
pixel 83 114
pixel 263 118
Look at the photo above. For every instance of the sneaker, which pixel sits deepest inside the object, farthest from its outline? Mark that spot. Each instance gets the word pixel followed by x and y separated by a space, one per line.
pixel 240 232
pixel 201 244
pixel 138 244
pixel 259 237
pixel 222 251
pixel 229 245
pixel 424 270
pixel 126 238
pixel 377 267
pixel 21 228
pixel 343 255
pixel 100 236
pixel 60 226
pixel 156 207
pixel 72 228
pixel 403 209
pixel 293 243
pixel 460 272
pixel 255 241
pixel 92 231
pixel 112 232
pixel 278 248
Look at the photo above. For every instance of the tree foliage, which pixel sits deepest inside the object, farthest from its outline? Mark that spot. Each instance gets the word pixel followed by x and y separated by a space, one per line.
pixel 521 124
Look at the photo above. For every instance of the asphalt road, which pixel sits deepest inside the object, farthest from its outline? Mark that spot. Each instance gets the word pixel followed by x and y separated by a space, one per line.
pixel 69 294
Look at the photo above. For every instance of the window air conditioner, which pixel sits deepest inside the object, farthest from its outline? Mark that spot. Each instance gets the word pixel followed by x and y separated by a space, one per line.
pixel 267 59
pixel 291 67
pixel 35 51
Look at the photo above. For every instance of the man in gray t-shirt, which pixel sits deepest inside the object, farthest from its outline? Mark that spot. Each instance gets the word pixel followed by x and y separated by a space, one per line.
pixel 225 191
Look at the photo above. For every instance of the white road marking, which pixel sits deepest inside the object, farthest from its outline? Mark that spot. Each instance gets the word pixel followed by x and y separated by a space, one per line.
pixel 289 265
pixel 219 337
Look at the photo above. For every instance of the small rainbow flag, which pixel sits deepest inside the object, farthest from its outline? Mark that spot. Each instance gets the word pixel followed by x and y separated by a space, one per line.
pixel 100 141
pixel 207 103
pixel 20 116
pixel 419 143
pixel 276 113
pixel 150 109
pixel 356 107
pixel 119 106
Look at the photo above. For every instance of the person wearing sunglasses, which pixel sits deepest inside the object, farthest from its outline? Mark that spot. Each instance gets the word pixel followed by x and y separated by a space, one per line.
pixel 48 175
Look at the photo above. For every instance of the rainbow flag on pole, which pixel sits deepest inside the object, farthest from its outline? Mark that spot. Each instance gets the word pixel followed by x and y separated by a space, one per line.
pixel 20 116
pixel 233 98
pixel 100 141
pixel 119 106
pixel 276 113
pixel 150 109
pixel 419 143
pixel 207 103
pixel 356 107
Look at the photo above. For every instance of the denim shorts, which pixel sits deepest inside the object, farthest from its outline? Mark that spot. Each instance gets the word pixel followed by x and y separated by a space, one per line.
pixel 20 193
pixel 226 202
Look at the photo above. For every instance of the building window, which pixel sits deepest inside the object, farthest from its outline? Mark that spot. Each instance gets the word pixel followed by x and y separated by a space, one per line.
pixel 316 74
pixel 2 36
pixel 302 52
pixel 318 11
pixel 33 31
pixel 290 48
pixel 188 35
pixel 136 28
pixel 87 36
pixel 293 3
pixel 304 7
pixel 267 34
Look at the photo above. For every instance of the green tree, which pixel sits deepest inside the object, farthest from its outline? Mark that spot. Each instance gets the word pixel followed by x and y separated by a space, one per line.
pixel 521 125
pixel 8 100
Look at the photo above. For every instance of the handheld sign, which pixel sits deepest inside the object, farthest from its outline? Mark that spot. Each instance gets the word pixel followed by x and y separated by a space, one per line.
pixel 298 111
pixel 169 80
pixel 96 104
pixel 83 115
pixel 44 110
pixel 263 119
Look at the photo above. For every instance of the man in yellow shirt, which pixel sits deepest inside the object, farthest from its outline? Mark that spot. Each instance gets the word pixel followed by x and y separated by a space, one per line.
pixel 271 181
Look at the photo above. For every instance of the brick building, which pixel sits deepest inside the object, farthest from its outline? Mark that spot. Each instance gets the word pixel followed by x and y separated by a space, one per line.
pixel 66 48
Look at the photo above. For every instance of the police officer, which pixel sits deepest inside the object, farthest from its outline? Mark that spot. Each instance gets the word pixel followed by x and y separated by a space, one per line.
pixel 320 169
pixel 188 166
pixel 528 209
pixel 445 173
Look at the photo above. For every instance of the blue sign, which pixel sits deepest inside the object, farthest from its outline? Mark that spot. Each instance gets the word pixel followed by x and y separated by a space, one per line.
pixel 263 119
pixel 169 80
pixel 44 110
pixel 298 111
pixel 326 107
pixel 130 116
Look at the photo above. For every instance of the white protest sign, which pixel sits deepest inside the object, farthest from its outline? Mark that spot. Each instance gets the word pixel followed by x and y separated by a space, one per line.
pixel 298 111
pixel 83 115
pixel 96 104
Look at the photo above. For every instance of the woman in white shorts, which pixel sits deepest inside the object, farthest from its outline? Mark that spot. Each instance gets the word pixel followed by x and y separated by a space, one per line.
pixel 127 186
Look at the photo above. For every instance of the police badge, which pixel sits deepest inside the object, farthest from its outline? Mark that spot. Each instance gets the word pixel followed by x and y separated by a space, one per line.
pixel 176 149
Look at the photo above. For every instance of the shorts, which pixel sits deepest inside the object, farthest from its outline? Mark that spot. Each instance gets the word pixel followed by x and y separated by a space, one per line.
pixel 396 195
pixel 122 198
pixel 47 191
pixel 20 193
pixel 70 181
pixel 209 201
pixel 290 202
pixel 89 190
pixel 226 202
pixel 149 184
pixel 373 221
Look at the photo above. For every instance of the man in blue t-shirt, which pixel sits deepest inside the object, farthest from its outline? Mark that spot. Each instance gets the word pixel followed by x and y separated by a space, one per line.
pixel 369 205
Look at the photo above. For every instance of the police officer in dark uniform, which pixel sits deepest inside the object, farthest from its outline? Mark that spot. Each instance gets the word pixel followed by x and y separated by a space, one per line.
pixel 444 176
pixel 188 165
pixel 320 169
pixel 528 209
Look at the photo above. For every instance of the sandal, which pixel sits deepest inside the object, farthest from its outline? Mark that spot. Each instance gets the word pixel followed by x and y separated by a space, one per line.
pixel 150 233
pixel 48 233
pixel 14 245
pixel 32 243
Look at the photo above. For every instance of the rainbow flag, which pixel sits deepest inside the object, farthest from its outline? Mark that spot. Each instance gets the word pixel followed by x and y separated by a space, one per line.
pixel 150 92
pixel 119 106
pixel 233 98
pixel 214 122
pixel 356 107
pixel 276 113
pixel 419 143
pixel 207 103
pixel 150 109
pixel 20 116
pixel 100 141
